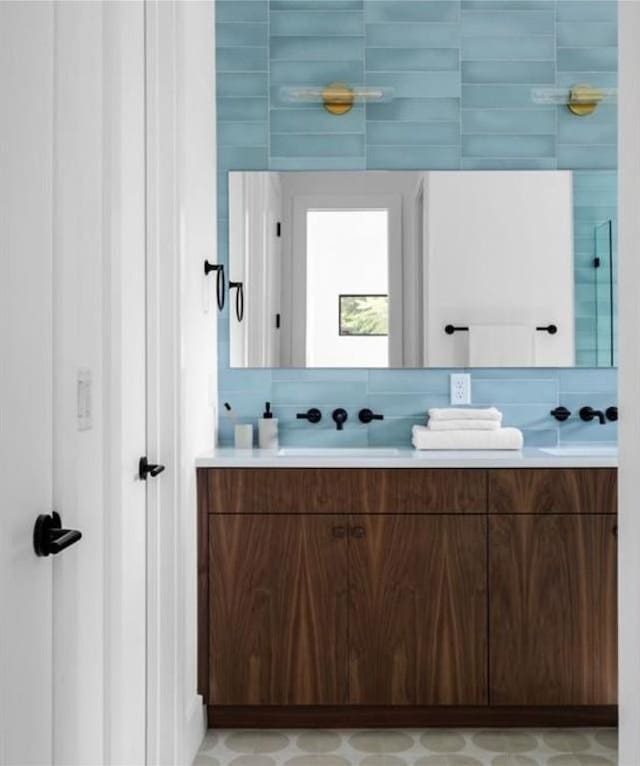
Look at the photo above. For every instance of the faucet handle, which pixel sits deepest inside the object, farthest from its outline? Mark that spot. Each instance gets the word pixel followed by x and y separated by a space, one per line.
pixel 339 416
pixel 366 416
pixel 588 413
pixel 611 413
pixel 561 414
pixel 313 415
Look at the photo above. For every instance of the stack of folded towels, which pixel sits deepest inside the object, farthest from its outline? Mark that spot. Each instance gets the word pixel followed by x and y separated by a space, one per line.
pixel 466 428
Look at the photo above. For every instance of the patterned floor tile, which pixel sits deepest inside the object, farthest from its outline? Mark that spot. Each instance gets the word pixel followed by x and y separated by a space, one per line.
pixel 410 747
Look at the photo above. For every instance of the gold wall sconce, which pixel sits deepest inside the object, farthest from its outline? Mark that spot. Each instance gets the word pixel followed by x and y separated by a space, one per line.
pixel 337 97
pixel 581 100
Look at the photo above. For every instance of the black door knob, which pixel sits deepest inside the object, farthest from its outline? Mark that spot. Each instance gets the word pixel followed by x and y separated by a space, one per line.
pixel 145 468
pixel 49 537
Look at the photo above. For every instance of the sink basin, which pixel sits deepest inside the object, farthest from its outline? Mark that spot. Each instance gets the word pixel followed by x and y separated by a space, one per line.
pixel 338 452
pixel 589 451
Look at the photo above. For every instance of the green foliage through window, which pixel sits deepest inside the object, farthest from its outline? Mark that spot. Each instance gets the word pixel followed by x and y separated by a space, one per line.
pixel 364 314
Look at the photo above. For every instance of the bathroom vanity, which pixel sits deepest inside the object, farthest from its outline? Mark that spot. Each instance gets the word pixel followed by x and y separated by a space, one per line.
pixel 407 589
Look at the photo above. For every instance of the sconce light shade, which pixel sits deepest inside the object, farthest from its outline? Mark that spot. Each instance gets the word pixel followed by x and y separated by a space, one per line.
pixel 580 100
pixel 336 97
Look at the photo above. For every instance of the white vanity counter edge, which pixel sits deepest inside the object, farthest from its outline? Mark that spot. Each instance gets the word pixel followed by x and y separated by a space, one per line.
pixel 604 456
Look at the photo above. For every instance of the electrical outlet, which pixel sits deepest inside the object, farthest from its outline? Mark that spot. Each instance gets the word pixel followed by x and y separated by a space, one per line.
pixel 460 388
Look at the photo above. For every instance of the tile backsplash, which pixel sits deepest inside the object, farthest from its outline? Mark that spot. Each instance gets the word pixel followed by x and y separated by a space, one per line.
pixel 462 73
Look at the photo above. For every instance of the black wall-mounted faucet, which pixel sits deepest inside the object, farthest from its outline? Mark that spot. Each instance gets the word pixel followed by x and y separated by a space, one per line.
pixel 366 416
pixel 588 414
pixel 313 415
pixel 561 414
pixel 340 416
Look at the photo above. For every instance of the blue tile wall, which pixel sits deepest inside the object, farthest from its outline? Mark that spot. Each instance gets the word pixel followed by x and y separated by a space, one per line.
pixel 462 72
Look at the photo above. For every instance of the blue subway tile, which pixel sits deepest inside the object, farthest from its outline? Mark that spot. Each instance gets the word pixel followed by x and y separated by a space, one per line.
pixel 485 96
pixel 317 48
pixel 507 23
pixel 594 156
pixel 413 158
pixel 242 85
pixel 247 10
pixel 489 391
pixel 318 393
pixel 314 5
pixel 318 145
pixel 537 48
pixel 587 59
pixel 244 110
pixel 316 120
pixel 406 381
pixel 508 146
pixel 393 432
pixel 413 133
pixel 418 84
pixel 518 121
pixel 242 59
pixel 316 23
pixel 315 72
pixel 242 134
pixel 317 163
pixel 413 35
pixel 586 33
pixel 410 10
pixel 412 59
pixel 501 163
pixel 242 158
pixel 230 35
pixel 481 72
pixel 415 110
pixel 587 10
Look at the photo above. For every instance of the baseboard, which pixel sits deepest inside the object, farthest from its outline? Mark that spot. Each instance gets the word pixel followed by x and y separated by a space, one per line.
pixel 347 717
pixel 195 728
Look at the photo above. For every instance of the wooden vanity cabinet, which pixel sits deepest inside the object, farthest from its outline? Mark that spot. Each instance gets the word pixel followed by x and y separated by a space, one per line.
pixel 407 596
pixel 552 585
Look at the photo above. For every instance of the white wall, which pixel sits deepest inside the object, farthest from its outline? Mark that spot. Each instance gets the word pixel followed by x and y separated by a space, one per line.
pixel 629 382
pixel 499 251
pixel 199 360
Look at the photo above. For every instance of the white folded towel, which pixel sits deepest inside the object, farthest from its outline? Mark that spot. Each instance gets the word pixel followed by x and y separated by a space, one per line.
pixel 465 413
pixel 502 438
pixel 463 425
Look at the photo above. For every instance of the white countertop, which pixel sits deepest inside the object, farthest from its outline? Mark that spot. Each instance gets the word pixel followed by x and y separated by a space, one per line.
pixel 577 456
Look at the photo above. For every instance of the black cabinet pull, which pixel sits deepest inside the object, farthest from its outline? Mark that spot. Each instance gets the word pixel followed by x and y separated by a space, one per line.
pixel 220 286
pixel 239 299
pixel 552 329
pixel 145 468
pixel 50 538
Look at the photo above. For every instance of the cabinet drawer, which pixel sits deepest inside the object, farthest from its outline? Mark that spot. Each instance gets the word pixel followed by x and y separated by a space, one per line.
pixel 355 490
pixel 553 490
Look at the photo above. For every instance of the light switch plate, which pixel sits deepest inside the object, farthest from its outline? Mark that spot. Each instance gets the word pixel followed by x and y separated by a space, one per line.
pixel 460 388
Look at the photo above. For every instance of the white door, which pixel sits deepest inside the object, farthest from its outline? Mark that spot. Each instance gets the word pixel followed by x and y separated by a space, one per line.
pixel 26 152
pixel 72 362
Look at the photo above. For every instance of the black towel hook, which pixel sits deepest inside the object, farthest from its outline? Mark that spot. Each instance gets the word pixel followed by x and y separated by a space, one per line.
pixel 219 269
pixel 239 299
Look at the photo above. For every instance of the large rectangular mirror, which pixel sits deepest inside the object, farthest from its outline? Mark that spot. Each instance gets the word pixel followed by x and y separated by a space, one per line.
pixel 422 269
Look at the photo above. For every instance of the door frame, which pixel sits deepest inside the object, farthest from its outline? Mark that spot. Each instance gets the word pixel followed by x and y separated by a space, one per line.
pixel 181 353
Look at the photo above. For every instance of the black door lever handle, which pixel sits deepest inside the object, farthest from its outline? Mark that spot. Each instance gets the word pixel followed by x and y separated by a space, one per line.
pixel 50 538
pixel 145 468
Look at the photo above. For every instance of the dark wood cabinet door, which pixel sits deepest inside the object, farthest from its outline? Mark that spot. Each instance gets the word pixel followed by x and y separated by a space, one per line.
pixel 552 610
pixel 418 610
pixel 278 610
pixel 553 490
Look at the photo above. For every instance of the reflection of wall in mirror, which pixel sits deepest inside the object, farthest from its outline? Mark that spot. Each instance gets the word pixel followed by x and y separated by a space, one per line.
pixel 499 260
